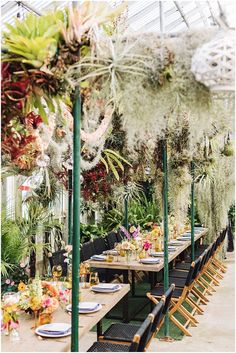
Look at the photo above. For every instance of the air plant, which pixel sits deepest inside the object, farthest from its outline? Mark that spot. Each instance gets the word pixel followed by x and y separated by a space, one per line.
pixel 33 41
pixel 112 60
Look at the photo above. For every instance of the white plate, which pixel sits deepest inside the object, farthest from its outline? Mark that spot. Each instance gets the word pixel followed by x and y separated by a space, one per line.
pixel 149 261
pixel 100 290
pixel 55 325
pixel 183 238
pixel 157 254
pixel 99 307
pixel 174 242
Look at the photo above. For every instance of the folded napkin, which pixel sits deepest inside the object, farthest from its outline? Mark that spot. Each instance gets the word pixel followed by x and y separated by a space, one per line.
pixel 106 286
pixel 88 306
pixel 98 257
pixel 156 254
pixel 55 329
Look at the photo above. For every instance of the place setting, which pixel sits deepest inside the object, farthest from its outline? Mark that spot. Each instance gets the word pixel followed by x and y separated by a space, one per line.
pixel 54 330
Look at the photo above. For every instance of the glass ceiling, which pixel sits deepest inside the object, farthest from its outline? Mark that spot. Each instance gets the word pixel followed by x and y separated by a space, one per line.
pixel 142 15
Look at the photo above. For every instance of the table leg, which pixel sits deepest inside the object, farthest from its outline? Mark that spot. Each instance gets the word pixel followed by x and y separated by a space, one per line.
pixel 125 276
pixel 133 283
pixel 99 329
pixel 126 308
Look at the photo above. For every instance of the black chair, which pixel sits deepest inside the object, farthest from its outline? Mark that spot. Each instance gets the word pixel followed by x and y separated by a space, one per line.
pixel 58 258
pixel 120 332
pixel 119 236
pixel 87 250
pixel 111 240
pixel 99 245
pixel 178 297
pixel 138 343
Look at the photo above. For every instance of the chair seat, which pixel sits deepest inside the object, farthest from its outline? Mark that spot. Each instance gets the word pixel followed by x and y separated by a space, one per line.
pixel 183 266
pixel 179 282
pixel 108 347
pixel 121 332
pixel 179 274
pixel 159 291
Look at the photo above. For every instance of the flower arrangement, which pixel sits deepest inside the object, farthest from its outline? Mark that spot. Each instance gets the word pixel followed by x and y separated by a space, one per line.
pixel 40 297
pixel 125 246
pixel 10 318
pixel 133 232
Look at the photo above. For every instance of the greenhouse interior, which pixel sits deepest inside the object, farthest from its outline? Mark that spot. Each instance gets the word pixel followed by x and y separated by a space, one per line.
pixel 117 176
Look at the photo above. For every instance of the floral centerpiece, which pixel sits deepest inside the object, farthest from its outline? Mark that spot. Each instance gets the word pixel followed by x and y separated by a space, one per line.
pixel 126 247
pixel 10 315
pixel 40 298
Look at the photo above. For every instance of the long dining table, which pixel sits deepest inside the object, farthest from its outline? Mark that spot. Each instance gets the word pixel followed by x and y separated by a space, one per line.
pixel 121 263
pixel 134 265
pixel 31 342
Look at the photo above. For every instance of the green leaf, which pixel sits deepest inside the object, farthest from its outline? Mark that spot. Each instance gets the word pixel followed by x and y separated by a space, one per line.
pixel 38 104
pixel 118 156
pixel 113 169
pixel 105 163
pixel 116 160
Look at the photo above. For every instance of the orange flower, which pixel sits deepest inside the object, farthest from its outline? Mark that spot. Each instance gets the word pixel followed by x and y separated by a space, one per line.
pixel 21 286
pixel 50 288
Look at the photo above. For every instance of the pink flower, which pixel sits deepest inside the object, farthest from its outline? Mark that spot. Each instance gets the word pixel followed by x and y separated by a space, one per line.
pixel 47 302
pixel 12 283
pixel 22 264
pixel 8 281
pixel 147 245
pixel 14 325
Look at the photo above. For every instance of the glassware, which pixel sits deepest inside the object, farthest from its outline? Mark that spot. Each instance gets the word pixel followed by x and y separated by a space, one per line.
pixel 56 272
pixel 109 258
pixel 93 280
pixel 117 256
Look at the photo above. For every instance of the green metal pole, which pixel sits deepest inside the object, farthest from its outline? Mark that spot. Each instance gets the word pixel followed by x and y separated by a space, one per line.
pixel 192 212
pixel 166 231
pixel 126 204
pixel 76 224
pixel 70 206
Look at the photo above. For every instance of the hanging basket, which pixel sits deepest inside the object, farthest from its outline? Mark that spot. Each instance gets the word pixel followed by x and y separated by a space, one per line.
pixel 213 63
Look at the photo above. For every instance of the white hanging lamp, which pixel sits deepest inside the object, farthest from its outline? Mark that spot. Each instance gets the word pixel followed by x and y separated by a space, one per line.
pixel 213 63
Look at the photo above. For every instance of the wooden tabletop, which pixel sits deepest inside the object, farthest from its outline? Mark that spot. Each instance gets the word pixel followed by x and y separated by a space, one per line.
pixel 135 265
pixel 30 342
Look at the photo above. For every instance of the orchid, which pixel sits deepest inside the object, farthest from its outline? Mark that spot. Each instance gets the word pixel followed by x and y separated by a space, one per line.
pixel 147 245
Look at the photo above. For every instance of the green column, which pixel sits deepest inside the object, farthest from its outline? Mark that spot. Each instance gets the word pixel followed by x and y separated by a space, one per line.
pixel 70 188
pixel 166 231
pixel 126 205
pixel 192 212
pixel 76 224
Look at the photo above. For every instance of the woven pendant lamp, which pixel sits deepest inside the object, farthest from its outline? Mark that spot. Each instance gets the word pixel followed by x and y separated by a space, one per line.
pixel 213 63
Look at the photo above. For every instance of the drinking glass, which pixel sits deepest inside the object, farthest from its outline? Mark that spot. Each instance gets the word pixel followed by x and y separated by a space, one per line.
pixel 117 256
pixel 56 272
pixel 93 280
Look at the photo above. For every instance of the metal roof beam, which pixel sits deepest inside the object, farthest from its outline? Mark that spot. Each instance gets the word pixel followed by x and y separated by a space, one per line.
pixel 203 16
pixel 181 13
pixel 29 7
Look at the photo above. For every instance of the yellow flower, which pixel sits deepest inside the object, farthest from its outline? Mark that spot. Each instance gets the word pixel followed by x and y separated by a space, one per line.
pixel 21 286
pixel 132 229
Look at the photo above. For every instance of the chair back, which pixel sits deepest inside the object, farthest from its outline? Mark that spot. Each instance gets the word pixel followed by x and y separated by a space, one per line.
pixel 140 339
pixel 58 259
pixel 167 296
pixel 189 278
pixel 157 315
pixel 196 268
pixel 111 240
pixel 99 245
pixel 87 250
pixel 119 236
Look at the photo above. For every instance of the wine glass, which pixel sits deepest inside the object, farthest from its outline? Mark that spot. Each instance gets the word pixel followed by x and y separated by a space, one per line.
pixel 93 280
pixel 56 273
pixel 117 252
